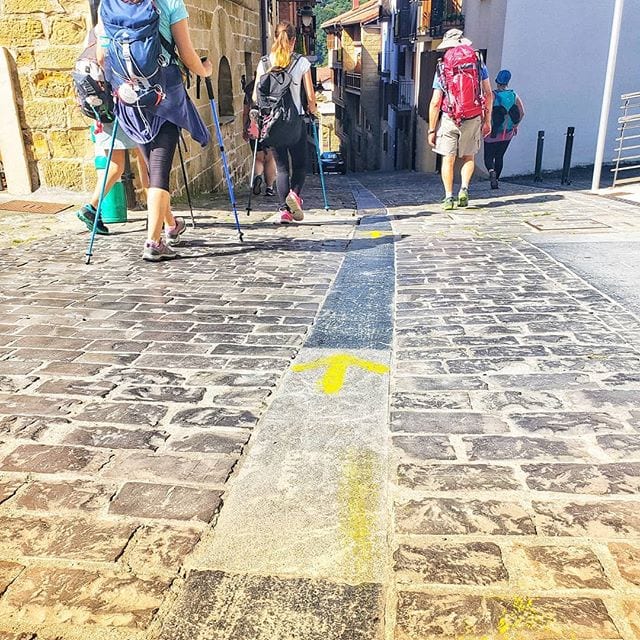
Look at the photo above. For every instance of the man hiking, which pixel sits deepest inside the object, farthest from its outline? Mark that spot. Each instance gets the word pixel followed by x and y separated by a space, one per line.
pixel 459 112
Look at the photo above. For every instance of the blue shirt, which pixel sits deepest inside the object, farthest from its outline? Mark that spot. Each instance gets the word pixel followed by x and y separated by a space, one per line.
pixel 171 11
pixel 484 75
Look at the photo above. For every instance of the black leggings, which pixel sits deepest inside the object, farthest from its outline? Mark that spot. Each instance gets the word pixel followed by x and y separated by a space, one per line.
pixel 494 155
pixel 159 155
pixel 297 152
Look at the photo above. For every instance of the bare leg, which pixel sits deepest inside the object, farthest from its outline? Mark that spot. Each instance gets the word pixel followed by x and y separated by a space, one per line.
pixel 113 175
pixel 466 173
pixel 158 206
pixel 446 173
pixel 143 169
pixel 259 163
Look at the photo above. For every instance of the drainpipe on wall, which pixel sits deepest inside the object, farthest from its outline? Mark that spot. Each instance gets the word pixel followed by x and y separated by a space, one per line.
pixel 264 26
pixel 607 93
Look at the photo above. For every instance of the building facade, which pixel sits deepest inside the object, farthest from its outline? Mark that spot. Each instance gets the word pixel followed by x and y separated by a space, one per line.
pixel 354 45
pixel 557 53
pixel 41 40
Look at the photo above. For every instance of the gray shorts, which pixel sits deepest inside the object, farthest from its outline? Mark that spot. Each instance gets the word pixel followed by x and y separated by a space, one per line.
pixel 103 139
pixel 454 140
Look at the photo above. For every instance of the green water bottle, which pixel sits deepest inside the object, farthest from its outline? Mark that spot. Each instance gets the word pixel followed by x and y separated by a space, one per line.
pixel 114 204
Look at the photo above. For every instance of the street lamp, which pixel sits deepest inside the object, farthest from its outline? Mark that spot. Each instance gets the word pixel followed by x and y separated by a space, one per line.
pixel 306 16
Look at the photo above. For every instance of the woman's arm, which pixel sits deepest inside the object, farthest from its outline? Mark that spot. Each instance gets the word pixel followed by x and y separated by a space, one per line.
pixel 521 107
pixel 311 93
pixel 188 55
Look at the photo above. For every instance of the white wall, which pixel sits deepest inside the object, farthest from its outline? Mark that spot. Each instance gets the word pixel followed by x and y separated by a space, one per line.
pixel 557 52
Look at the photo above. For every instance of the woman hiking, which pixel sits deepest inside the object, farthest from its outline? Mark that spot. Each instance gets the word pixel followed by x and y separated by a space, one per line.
pixel 156 127
pixel 291 155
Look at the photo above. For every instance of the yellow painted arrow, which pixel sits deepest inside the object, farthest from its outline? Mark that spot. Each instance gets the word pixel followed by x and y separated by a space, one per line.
pixel 336 369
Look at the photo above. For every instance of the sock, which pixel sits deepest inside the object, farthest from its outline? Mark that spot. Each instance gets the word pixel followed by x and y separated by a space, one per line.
pixel 463 188
pixel 448 194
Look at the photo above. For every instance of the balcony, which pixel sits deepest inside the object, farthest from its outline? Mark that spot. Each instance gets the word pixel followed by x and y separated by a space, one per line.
pixel 430 18
pixel 402 94
pixel 335 58
pixel 352 82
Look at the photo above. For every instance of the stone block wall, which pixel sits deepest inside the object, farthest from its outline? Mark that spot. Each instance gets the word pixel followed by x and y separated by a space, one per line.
pixel 45 38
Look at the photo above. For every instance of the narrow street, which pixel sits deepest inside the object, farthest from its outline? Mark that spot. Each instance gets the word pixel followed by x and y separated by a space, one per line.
pixel 386 423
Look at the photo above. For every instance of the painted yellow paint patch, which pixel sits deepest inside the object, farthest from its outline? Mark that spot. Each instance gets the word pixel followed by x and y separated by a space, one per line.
pixel 379 234
pixel 336 369
pixel 358 498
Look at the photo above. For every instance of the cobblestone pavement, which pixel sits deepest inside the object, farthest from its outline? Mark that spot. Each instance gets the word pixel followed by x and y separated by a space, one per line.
pixel 499 499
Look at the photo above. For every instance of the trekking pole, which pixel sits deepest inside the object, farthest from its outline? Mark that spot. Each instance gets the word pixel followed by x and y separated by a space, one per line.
pixel 186 183
pixel 316 139
pixel 253 171
pixel 539 149
pixel 568 150
pixel 102 190
pixel 225 166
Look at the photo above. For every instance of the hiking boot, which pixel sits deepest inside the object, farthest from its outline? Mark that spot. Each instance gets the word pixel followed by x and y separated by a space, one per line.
pixel 172 234
pixel 463 198
pixel 294 202
pixel 448 204
pixel 493 178
pixel 270 191
pixel 157 251
pixel 257 185
pixel 285 216
pixel 88 215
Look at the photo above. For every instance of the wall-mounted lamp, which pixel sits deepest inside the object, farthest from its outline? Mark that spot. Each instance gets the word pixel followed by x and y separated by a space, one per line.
pixel 306 16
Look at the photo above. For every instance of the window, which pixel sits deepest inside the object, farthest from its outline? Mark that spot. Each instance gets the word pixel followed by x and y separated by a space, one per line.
pixel 225 90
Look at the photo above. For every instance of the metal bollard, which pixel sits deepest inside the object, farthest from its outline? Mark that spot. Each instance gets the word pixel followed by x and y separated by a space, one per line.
pixel 568 149
pixel 539 149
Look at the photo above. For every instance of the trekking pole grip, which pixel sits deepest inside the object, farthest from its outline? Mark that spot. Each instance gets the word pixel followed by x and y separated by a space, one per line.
pixel 207 82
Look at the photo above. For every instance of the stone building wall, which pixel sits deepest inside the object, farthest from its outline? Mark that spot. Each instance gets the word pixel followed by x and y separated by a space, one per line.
pixel 45 38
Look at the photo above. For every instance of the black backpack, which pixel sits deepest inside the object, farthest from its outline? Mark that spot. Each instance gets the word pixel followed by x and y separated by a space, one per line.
pixel 93 92
pixel 279 121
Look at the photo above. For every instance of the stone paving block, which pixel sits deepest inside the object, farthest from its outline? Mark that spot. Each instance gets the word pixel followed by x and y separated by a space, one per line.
pixel 447 516
pixel 521 448
pixel 215 417
pixel 30 427
pixel 432 400
pixel 42 458
pixel 165 502
pixel 543 567
pixel 227 379
pixel 93 388
pixel 81 495
pixel 449 422
pixel 627 557
pixel 512 401
pixel 58 537
pixel 461 477
pixel 439 383
pixel 620 446
pixel 9 571
pixel 115 438
pixel 148 393
pixel 632 609
pixel 582 478
pixel 19 404
pixel 135 413
pixel 8 488
pixel 423 616
pixel 209 442
pixel 567 423
pixel 160 549
pixel 219 606
pixel 609 520
pixel 12 384
pixel 425 447
pixel 474 563
pixel 49 596
pixel 145 465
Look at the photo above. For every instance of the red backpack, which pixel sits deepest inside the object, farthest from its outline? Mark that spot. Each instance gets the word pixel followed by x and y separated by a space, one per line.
pixel 459 73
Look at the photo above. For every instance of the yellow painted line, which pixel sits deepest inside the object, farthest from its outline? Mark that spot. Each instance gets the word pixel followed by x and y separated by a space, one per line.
pixel 336 369
pixel 379 234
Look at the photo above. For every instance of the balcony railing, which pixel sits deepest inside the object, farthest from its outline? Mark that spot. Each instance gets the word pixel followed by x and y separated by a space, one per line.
pixel 401 95
pixel 427 18
pixel 352 81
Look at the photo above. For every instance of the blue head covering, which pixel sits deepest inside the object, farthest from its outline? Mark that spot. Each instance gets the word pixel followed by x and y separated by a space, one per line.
pixel 503 77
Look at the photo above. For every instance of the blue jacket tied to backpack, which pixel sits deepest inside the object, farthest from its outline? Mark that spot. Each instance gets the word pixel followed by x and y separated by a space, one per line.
pixel 142 68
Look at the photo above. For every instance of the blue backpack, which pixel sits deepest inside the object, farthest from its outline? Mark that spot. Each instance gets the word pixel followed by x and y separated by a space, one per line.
pixel 505 113
pixel 135 60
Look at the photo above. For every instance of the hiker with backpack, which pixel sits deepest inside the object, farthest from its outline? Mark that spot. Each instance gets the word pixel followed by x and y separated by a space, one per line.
pixel 459 112
pixel 280 80
pixel 506 115
pixel 145 47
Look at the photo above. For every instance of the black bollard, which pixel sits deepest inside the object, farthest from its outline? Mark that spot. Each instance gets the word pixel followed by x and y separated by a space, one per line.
pixel 539 149
pixel 568 149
